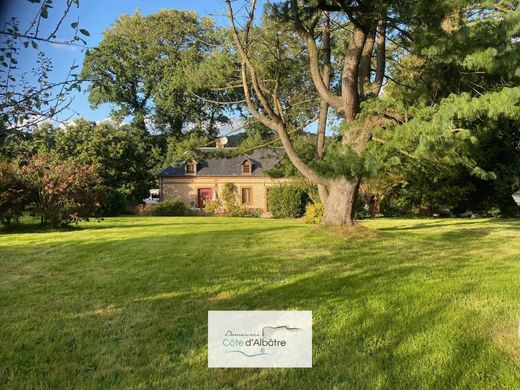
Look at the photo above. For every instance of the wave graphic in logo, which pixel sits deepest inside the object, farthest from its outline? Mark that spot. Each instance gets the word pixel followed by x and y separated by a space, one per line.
pixel 252 355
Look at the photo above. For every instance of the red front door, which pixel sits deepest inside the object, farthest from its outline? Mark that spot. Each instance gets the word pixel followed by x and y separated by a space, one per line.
pixel 204 194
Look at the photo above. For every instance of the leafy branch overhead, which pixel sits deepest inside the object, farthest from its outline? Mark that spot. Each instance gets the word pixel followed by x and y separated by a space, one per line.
pixel 27 100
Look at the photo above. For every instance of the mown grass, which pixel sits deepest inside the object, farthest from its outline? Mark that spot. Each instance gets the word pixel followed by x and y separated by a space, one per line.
pixel 123 303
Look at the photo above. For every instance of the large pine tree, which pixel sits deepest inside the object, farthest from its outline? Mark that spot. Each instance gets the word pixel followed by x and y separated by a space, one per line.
pixel 383 36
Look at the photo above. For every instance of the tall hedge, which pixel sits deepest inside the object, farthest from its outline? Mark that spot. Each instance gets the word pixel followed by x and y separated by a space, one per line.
pixel 287 201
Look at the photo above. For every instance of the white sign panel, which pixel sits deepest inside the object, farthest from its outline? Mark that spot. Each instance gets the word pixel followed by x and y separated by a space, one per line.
pixel 259 339
pixel 516 197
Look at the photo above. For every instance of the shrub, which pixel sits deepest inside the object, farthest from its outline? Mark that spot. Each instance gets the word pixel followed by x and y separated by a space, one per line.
pixel 244 212
pixel 113 201
pixel 313 213
pixel 494 212
pixel 395 207
pixel 169 208
pixel 287 201
pixel 214 207
pixel 13 194
pixel 63 191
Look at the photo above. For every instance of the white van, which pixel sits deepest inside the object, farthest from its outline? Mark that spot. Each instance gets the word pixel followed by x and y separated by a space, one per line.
pixel 153 198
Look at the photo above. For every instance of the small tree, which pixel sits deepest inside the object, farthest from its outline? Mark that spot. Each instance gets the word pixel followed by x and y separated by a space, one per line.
pixel 63 191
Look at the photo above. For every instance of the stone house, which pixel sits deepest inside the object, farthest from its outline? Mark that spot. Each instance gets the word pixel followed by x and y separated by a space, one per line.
pixel 196 182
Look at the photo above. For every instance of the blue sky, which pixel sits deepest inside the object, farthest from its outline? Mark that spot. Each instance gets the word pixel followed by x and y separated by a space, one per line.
pixel 96 16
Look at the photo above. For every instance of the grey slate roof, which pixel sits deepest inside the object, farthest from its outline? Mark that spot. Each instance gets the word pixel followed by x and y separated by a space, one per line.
pixel 263 159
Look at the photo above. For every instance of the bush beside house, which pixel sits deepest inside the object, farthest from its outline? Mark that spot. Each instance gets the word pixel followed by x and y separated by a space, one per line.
pixel 287 201
pixel 165 208
pixel 169 208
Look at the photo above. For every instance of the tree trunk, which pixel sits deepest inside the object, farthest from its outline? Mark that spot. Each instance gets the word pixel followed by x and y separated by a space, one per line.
pixel 339 207
pixel 324 106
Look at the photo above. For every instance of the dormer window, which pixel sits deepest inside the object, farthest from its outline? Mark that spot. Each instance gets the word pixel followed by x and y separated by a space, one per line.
pixel 247 167
pixel 191 167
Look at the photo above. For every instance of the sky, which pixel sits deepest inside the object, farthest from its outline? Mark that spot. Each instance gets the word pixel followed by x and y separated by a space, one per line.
pixel 95 16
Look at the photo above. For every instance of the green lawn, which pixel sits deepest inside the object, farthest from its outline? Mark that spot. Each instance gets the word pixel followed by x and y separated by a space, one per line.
pixel 123 303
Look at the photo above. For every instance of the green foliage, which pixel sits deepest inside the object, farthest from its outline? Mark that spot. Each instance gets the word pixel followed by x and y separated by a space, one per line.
pixel 169 208
pixel 494 212
pixel 213 207
pixel 13 194
pixel 305 146
pixel 113 201
pixel 451 139
pixel 341 160
pixel 395 207
pixel 256 137
pixel 145 65
pixel 125 156
pixel 313 213
pixel 243 212
pixel 228 204
pixel 229 197
pixel 287 201
pixel 462 153
pixel 360 209
pixel 186 149
pixel 31 93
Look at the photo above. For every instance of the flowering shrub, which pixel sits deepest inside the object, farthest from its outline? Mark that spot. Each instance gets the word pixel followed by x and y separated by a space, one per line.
pixel 62 192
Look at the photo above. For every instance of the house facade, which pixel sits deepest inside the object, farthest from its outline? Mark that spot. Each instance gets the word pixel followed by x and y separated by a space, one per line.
pixel 196 182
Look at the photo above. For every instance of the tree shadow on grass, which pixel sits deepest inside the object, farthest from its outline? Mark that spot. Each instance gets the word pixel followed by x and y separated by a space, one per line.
pixel 380 309
pixel 367 334
pixel 24 228
pixel 114 223
pixel 432 224
pixel 392 347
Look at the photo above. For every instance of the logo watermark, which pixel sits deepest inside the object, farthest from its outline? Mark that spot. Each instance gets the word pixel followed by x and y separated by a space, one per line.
pixel 259 339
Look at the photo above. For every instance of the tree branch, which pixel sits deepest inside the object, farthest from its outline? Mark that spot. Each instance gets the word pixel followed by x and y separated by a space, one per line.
pixel 380 56
pixel 312 49
pixel 246 60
